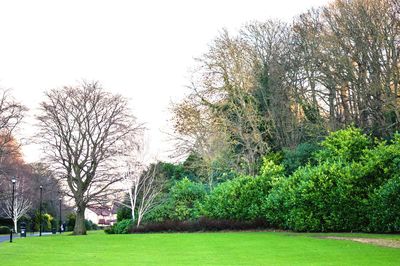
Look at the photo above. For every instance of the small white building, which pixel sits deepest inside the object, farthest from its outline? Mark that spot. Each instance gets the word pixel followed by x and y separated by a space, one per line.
pixel 102 216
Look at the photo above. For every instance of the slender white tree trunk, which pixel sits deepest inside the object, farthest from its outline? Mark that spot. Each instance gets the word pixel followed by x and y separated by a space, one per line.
pixel 15 224
pixel 133 197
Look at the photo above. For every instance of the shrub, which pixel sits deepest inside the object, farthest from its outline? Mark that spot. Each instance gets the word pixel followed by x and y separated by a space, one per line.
pixel 122 227
pixel 183 203
pixel 278 203
pixel 89 225
pixel 202 224
pixel 302 155
pixel 4 230
pixel 71 221
pixel 160 212
pixel 381 163
pixel 186 197
pixel 109 230
pixel 47 221
pixel 384 209
pixel 346 145
pixel 242 198
pixel 124 213
pixel 320 198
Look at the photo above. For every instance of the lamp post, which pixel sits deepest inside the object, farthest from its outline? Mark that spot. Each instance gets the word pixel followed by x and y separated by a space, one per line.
pixel 12 208
pixel 40 212
pixel 60 225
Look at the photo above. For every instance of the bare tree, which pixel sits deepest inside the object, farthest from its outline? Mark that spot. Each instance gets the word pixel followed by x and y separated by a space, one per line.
pixel 150 187
pixel 21 207
pixel 222 93
pixel 83 130
pixel 11 114
pixel 144 186
pixel 131 181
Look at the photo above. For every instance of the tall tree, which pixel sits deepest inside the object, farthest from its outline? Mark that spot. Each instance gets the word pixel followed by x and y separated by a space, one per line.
pixel 83 130
pixel 275 85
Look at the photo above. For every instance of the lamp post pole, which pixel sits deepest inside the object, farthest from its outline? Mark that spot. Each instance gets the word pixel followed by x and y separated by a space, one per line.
pixel 60 225
pixel 40 212
pixel 12 208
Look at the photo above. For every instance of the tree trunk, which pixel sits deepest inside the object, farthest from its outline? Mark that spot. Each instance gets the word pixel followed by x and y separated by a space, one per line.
pixel 80 228
pixel 15 225
pixel 133 197
pixel 332 117
pixel 139 220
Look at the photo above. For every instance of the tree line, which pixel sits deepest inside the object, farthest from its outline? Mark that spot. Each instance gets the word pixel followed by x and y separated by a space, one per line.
pixel 273 85
pixel 348 183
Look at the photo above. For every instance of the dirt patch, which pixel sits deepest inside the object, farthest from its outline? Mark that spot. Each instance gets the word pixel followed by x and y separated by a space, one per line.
pixel 374 241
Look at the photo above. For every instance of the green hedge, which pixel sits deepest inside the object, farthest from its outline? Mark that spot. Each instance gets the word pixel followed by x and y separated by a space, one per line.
pixel 349 182
pixel 183 202
pixel 321 198
pixel 122 227
pixel 4 230
pixel 242 198
pixel 384 211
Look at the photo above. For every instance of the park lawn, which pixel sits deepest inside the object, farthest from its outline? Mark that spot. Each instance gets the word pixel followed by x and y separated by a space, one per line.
pixel 228 248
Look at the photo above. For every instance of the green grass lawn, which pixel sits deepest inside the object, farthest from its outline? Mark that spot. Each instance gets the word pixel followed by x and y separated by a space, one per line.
pixel 241 248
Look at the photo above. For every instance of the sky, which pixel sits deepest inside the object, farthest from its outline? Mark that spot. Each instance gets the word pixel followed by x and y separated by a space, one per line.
pixel 143 50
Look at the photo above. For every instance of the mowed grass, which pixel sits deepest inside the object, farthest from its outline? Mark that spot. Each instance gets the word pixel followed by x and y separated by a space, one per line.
pixel 228 248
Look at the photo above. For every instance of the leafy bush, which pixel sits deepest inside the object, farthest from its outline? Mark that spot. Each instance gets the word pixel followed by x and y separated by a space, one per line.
pixel 302 155
pixel 122 227
pixel 71 218
pixel 4 230
pixel 347 145
pixel 320 198
pixel 242 198
pixel 381 163
pixel 89 225
pixel 160 212
pixel 109 230
pixel 186 197
pixel 47 221
pixel 183 202
pixel 384 209
pixel 124 213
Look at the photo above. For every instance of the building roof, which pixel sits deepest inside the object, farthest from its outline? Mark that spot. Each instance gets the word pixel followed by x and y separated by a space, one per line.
pixel 103 211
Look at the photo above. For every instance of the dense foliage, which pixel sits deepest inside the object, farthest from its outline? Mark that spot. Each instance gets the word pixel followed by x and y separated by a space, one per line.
pixel 385 207
pixel 273 86
pixel 4 230
pixel 241 198
pixel 348 182
pixel 182 202
pixel 122 227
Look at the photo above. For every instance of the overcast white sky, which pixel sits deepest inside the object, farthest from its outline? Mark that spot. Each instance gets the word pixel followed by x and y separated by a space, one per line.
pixel 141 49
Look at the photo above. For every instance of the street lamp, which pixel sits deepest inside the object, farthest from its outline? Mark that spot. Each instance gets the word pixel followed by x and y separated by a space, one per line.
pixel 12 208
pixel 60 225
pixel 40 212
